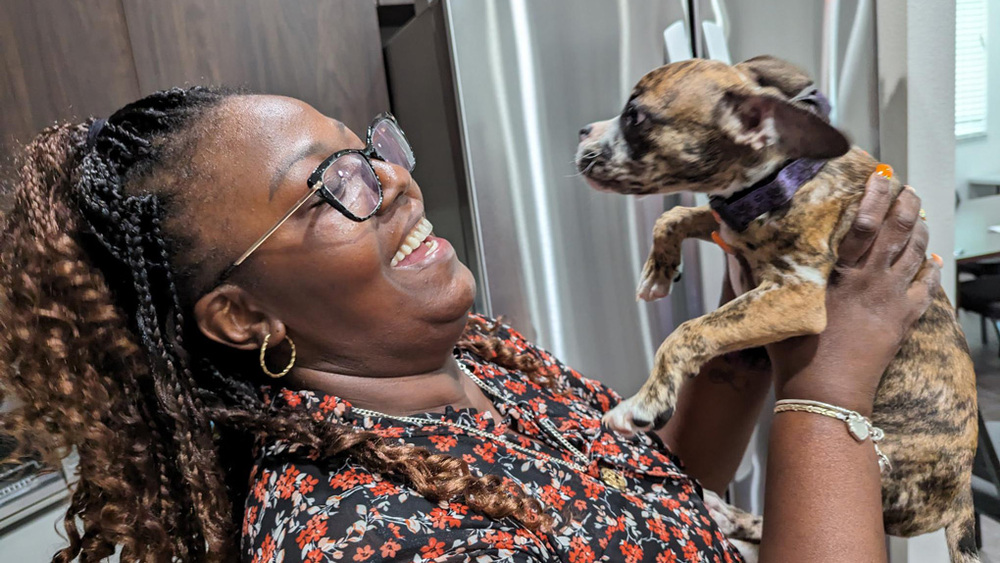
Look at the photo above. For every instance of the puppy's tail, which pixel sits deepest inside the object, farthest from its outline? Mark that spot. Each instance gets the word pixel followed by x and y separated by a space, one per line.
pixel 961 533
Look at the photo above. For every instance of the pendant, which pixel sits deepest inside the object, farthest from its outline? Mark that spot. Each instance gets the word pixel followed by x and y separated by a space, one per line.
pixel 857 427
pixel 613 478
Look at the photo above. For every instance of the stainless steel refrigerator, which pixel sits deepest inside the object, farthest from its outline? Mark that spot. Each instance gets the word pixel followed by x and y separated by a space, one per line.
pixel 492 94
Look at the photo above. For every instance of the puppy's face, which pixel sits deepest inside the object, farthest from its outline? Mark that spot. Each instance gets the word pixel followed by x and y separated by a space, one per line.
pixel 705 126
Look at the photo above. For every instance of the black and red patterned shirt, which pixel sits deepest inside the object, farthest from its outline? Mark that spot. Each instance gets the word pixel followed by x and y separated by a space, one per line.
pixel 321 510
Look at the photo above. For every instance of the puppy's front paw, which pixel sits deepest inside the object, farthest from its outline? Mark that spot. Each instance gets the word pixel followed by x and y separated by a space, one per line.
pixel 656 280
pixel 634 415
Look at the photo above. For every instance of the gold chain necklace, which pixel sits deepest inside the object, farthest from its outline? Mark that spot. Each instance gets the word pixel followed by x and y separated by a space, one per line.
pixel 609 476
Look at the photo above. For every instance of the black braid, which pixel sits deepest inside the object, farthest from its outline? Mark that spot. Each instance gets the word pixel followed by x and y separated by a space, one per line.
pixel 128 227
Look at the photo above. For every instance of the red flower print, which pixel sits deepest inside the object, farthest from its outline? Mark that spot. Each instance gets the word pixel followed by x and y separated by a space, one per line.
pixel 314 556
pixel 631 551
pixel 486 450
pixel 443 443
pixel 604 401
pixel 286 483
pixel 658 528
pixel 291 397
pixel 550 496
pixel 579 551
pixel 328 404
pixel 706 536
pixel 593 489
pixel 443 520
pixel 666 557
pixel 500 539
pixel 314 531
pixel 395 531
pixel 385 488
pixel 260 487
pixel 691 552
pixel 517 387
pixel 249 518
pixel 307 484
pixel 363 553
pixel 580 504
pixel 434 548
pixel 389 549
pixel 458 508
pixel 266 553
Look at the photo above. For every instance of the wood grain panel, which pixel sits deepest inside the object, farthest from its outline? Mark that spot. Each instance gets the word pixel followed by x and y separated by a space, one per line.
pixel 60 61
pixel 325 52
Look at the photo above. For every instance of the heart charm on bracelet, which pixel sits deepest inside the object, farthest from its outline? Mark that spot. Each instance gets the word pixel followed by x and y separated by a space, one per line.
pixel 857 426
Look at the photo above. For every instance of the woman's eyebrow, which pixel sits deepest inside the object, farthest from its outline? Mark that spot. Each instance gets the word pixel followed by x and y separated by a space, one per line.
pixel 304 151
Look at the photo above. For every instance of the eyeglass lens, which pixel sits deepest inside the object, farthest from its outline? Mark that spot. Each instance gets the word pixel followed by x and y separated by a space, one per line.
pixel 352 180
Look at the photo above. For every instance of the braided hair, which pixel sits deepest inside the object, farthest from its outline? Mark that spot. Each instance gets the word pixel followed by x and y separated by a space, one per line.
pixel 96 285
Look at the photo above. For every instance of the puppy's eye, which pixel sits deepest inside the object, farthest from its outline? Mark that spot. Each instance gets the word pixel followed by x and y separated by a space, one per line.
pixel 632 117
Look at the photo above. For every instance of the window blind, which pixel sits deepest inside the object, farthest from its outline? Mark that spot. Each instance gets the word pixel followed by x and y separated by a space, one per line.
pixel 970 67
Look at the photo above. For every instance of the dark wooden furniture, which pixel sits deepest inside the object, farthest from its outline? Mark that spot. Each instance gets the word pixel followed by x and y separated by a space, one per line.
pixel 68 60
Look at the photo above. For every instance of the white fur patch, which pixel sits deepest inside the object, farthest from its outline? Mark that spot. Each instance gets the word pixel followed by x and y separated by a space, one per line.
pixel 809 274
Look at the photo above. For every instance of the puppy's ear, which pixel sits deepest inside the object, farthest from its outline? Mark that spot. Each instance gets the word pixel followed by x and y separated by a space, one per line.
pixel 759 121
pixel 772 72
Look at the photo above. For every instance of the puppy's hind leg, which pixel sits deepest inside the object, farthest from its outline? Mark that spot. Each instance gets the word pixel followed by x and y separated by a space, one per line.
pixel 961 533
pixel 663 267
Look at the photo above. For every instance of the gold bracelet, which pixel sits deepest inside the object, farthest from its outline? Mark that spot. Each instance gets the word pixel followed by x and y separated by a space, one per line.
pixel 858 426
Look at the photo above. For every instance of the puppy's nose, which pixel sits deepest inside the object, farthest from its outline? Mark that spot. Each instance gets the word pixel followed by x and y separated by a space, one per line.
pixel 585 132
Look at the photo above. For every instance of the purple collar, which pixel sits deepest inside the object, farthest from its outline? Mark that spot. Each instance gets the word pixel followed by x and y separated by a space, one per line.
pixel 741 208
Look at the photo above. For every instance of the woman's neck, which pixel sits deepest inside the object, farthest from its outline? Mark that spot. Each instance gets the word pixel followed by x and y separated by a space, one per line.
pixel 400 395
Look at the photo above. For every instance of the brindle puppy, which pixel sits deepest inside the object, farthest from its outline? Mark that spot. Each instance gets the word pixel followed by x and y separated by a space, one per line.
pixel 708 127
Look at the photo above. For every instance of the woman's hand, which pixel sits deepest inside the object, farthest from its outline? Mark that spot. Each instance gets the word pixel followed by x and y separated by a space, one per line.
pixel 881 285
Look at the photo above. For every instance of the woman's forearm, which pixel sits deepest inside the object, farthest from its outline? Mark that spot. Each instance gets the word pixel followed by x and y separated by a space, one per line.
pixel 822 495
pixel 715 416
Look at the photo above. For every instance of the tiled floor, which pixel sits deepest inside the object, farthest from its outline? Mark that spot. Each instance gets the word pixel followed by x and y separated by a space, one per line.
pixel 987 360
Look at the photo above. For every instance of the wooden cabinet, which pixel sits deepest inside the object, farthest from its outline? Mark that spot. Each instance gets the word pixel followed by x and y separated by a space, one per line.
pixel 68 60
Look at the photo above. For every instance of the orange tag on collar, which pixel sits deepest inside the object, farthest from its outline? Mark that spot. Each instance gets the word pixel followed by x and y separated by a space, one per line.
pixel 722 244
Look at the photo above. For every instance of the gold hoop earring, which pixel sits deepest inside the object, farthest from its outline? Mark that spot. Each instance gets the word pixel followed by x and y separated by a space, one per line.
pixel 263 364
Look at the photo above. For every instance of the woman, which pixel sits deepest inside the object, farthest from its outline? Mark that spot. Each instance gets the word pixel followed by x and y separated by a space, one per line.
pixel 320 392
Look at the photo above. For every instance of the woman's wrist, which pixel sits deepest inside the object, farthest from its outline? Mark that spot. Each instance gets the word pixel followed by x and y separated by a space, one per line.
pixel 837 387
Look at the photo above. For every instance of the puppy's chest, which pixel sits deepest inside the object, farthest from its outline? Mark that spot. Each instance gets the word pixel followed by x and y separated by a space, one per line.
pixel 796 239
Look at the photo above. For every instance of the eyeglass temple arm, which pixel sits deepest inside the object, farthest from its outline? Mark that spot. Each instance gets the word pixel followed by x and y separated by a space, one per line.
pixel 280 222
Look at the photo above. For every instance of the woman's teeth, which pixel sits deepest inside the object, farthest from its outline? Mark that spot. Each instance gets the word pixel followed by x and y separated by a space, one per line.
pixel 413 240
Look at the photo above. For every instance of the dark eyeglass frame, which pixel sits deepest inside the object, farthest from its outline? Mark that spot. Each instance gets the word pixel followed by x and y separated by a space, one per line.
pixel 316 185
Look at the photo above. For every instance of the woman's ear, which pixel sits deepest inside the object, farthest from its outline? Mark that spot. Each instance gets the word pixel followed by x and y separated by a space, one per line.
pixel 228 315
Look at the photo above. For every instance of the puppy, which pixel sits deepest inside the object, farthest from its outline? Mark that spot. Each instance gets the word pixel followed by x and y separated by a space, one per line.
pixel 785 185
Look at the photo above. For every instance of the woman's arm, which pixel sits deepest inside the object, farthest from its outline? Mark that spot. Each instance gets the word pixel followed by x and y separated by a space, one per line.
pixel 823 493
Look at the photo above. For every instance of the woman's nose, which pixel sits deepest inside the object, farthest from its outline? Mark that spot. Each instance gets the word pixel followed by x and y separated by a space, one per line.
pixel 395 180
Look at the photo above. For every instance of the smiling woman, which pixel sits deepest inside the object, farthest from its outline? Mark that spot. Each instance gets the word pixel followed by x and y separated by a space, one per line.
pixel 327 396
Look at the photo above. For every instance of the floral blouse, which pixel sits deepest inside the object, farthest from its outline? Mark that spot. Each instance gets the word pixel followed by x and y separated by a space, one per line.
pixel 320 510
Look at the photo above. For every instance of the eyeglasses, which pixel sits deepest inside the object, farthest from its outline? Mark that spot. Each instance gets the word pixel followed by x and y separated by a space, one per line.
pixel 347 180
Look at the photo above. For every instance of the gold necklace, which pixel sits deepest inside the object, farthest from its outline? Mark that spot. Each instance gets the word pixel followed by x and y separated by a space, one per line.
pixel 609 476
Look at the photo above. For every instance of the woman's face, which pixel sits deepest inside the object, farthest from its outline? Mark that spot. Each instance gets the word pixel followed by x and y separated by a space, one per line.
pixel 328 280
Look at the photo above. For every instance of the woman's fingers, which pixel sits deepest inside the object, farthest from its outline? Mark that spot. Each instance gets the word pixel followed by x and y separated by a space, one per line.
pixel 923 288
pixel 871 214
pixel 912 257
pixel 894 235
